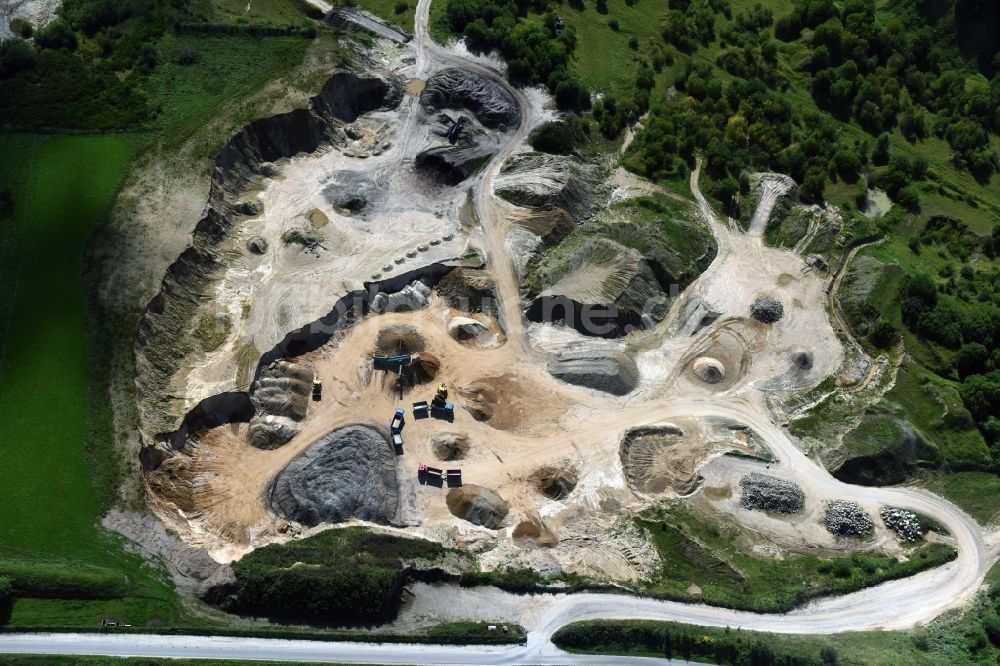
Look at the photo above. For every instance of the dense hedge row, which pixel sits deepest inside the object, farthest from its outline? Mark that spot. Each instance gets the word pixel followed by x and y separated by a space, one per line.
pixel 338 577
pixel 677 642
pixel 61 580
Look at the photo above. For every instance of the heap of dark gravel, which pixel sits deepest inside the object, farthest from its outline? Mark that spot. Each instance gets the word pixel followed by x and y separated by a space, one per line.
pixel 349 473
pixel 769 493
pixel 904 523
pixel 845 518
pixel 767 310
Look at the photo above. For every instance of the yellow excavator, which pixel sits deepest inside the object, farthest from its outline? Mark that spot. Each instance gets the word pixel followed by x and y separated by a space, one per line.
pixel 441 397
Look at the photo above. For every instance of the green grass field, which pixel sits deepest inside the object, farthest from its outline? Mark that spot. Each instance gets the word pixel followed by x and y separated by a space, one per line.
pixel 387 11
pixel 61 187
pixel 231 66
pixel 64 185
pixel 603 58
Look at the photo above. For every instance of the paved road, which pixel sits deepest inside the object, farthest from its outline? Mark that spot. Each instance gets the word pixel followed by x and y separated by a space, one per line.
pixel 260 649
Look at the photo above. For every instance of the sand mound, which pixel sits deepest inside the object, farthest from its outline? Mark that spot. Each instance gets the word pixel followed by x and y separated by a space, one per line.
pixel 722 359
pixel 509 402
pixel 349 473
pixel 534 530
pixel 468 290
pixel 281 399
pixel 554 482
pixel 649 459
pixel 449 445
pixel 709 370
pixel 478 504
pixel 400 339
pixel 473 333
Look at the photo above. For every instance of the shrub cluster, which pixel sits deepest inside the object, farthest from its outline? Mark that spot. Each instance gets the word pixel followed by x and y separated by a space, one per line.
pixel 535 54
pixel 338 577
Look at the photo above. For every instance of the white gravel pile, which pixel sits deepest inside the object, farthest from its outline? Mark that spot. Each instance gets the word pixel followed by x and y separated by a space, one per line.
pixel 904 523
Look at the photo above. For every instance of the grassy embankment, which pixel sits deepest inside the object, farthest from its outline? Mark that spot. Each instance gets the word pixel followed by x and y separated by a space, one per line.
pixel 708 555
pixel 399 13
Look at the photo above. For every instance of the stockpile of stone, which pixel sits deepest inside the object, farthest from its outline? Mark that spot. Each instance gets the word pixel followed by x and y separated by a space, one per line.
pixel 349 473
pixel 845 518
pixel 904 523
pixel 767 310
pixel 597 365
pixel 769 493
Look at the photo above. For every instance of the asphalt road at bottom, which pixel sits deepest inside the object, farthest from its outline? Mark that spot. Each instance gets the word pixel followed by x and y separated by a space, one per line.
pixel 269 649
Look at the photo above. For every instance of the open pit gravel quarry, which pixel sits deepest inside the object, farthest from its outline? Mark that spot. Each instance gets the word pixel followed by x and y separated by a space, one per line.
pixel 557 435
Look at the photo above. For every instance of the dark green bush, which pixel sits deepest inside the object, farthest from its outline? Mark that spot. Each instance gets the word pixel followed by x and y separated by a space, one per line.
pixel 553 137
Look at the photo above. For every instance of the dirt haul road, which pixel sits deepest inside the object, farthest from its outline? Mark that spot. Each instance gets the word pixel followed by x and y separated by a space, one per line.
pixel 594 430
pixel 489 209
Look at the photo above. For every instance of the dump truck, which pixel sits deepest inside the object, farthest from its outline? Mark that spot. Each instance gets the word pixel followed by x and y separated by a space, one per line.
pixel 397 421
pixel 317 391
pixel 445 411
pixel 424 470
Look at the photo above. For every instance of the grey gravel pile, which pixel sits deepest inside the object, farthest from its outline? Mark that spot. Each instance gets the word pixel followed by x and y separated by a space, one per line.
pixel 767 310
pixel 904 523
pixel 769 493
pixel 846 518
pixel 349 473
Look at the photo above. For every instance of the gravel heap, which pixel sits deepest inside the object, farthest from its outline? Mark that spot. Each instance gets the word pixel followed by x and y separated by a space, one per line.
pixel 597 365
pixel 904 523
pixel 455 88
pixel 846 518
pixel 767 310
pixel 769 493
pixel 478 504
pixel 349 473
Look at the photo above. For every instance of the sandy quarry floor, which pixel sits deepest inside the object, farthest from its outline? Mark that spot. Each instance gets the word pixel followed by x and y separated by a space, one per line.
pixel 521 423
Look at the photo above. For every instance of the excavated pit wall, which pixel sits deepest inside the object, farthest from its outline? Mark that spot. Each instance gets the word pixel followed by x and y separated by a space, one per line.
pixel 241 163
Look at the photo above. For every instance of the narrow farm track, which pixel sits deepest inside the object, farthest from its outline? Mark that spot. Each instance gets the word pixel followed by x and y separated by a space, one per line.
pixel 895 605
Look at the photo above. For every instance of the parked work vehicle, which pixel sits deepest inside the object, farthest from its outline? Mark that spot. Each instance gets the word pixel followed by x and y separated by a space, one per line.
pixel 317 391
pixel 445 411
pixel 421 410
pixel 398 418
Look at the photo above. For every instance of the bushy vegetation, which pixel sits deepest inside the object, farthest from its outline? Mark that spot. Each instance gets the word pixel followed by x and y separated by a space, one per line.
pixel 338 577
pixel 536 54
pixel 953 315
pixel 91 68
pixel 556 137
